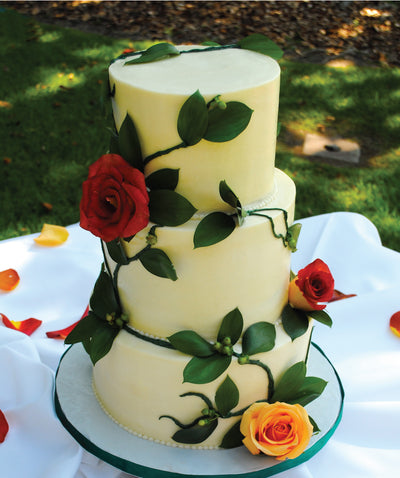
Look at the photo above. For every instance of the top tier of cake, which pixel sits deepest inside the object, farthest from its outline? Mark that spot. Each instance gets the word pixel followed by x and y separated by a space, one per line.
pixel 153 94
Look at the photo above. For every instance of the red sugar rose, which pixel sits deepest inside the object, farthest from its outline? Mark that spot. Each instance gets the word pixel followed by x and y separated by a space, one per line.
pixel 114 201
pixel 313 286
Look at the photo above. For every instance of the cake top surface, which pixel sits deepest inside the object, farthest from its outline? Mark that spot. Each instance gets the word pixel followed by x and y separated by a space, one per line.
pixel 210 72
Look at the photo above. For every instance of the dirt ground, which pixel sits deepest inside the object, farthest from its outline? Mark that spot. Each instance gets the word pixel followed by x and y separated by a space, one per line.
pixel 314 31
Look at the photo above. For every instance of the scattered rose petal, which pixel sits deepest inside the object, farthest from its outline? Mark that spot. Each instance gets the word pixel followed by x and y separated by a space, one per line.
pixel 27 326
pixel 9 279
pixel 337 295
pixel 3 427
pixel 395 323
pixel 63 333
pixel 48 206
pixel 52 235
pixel 5 104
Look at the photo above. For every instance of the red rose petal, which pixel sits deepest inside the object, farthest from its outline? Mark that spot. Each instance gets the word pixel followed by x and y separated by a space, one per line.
pixel 3 427
pixel 395 323
pixel 337 295
pixel 63 333
pixel 9 279
pixel 27 326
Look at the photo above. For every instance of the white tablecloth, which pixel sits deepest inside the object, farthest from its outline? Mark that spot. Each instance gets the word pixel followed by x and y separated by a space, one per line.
pixel 55 287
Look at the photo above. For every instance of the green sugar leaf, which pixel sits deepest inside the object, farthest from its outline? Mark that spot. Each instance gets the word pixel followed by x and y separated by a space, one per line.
pixel 103 300
pixel 290 383
pixel 259 337
pixel 226 124
pixel 230 198
pixel 206 369
pixel 226 396
pixel 129 145
pixel 228 195
pixel 156 52
pixel 168 208
pixel 114 144
pixel 191 343
pixel 210 43
pixel 166 178
pixel 83 330
pixel 294 321
pixel 231 326
pixel 213 228
pixel 117 252
pixel 314 424
pixel 195 434
pixel 233 437
pixel 311 388
pixel 102 341
pixel 261 44
pixel 293 236
pixel 321 316
pixel 193 119
pixel 158 263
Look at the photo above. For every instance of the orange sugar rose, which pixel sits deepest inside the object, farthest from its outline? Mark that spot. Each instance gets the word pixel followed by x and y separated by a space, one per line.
pixel 276 429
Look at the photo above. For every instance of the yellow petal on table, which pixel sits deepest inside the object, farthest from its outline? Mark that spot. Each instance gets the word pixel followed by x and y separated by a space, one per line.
pixel 52 235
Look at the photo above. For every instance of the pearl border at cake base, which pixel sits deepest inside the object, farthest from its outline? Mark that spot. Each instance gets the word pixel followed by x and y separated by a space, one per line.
pixel 82 416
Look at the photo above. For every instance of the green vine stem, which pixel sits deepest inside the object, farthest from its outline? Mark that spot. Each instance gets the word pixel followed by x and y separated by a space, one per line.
pixel 114 276
pixel 257 212
pixel 193 50
pixel 157 154
pixel 147 338
pixel 271 384
pixel 205 399
pixel 180 424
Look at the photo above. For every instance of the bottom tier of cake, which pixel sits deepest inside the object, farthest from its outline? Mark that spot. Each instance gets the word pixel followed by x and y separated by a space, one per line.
pixel 140 385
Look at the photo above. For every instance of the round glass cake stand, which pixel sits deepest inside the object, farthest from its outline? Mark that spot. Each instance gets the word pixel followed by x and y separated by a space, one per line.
pixel 81 414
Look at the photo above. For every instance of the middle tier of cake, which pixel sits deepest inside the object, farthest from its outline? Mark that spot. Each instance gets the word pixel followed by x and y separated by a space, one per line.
pixel 250 270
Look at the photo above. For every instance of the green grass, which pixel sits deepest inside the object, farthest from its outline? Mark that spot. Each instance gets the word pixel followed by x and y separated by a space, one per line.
pixel 362 104
pixel 52 126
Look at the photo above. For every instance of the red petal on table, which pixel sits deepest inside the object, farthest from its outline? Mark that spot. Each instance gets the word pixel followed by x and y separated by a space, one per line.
pixel 3 427
pixel 27 326
pixel 9 279
pixel 63 333
pixel 395 323
pixel 337 295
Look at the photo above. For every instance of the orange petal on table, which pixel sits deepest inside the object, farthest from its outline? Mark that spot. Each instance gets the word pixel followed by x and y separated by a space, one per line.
pixel 63 333
pixel 52 235
pixel 395 323
pixel 9 279
pixel 337 295
pixel 3 427
pixel 27 326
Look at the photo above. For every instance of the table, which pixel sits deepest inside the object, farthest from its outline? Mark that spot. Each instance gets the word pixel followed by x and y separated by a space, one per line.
pixel 55 287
